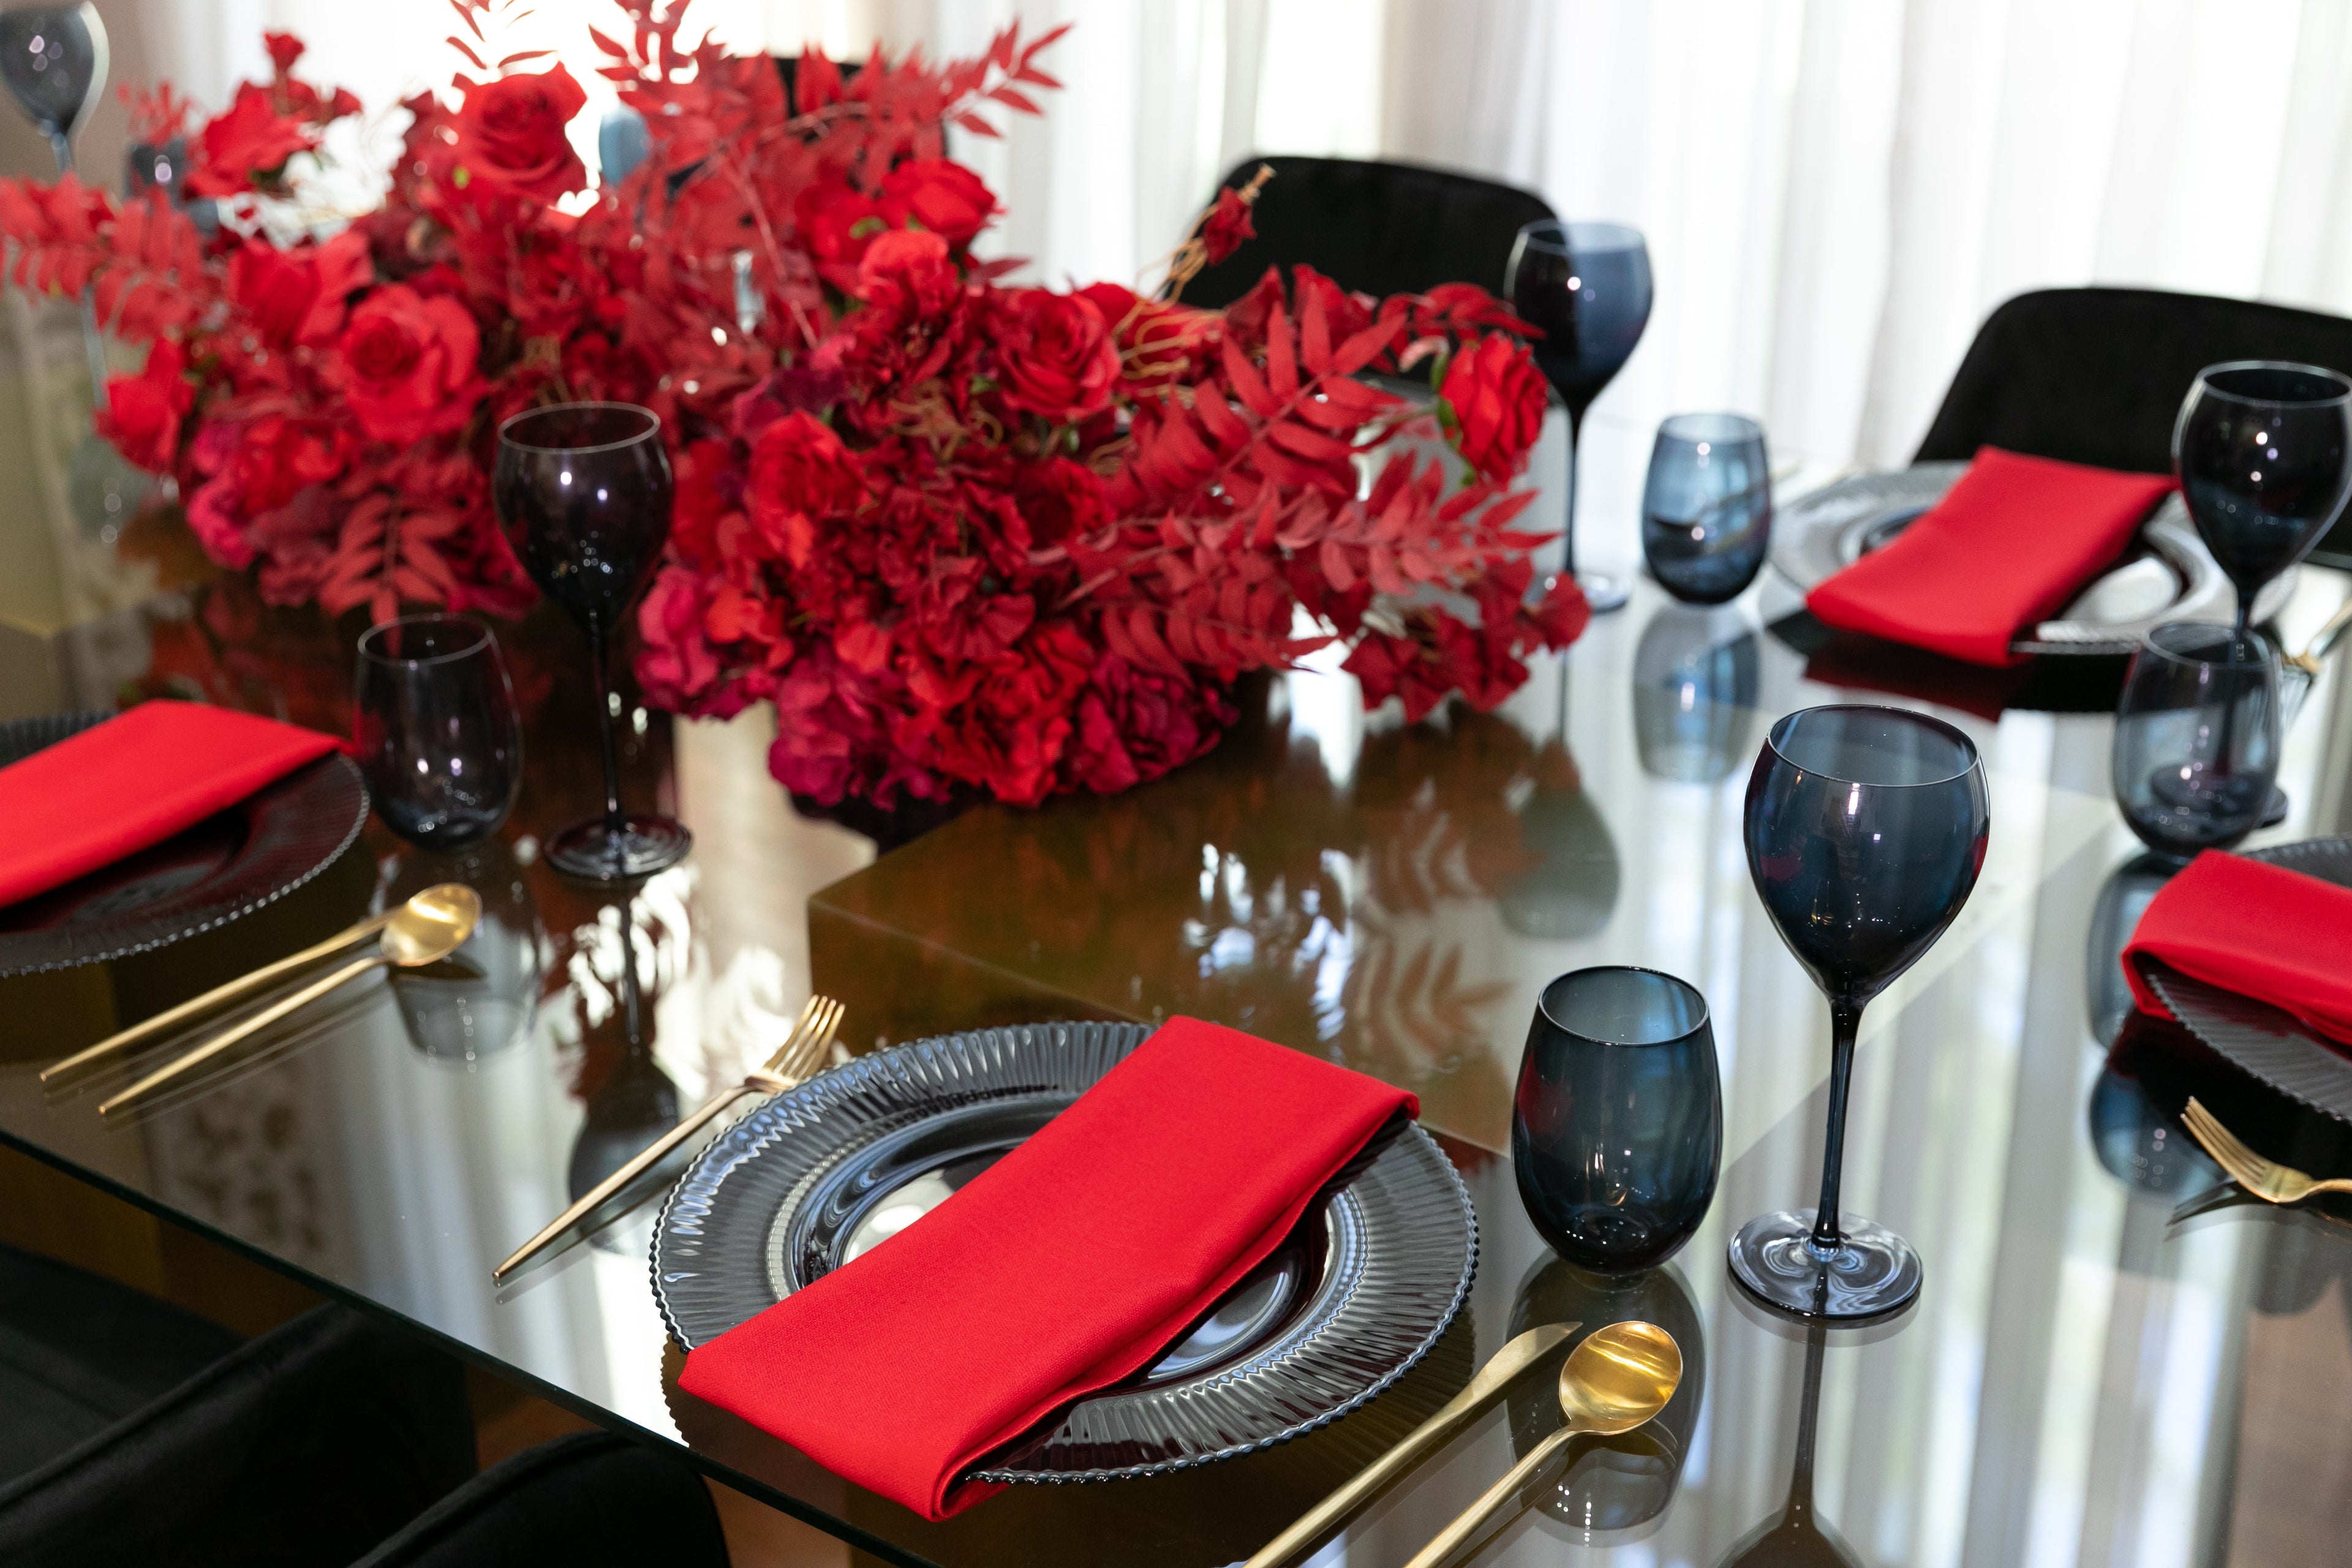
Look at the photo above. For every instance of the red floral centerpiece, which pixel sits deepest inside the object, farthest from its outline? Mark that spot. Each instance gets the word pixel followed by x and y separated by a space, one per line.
pixel 966 536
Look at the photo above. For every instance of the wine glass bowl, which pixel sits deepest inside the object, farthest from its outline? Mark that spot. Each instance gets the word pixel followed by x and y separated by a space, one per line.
pixel 54 59
pixel 1706 509
pixel 435 728
pixel 2263 453
pixel 584 489
pixel 1588 286
pixel 1865 829
pixel 2196 751
pixel 1617 1121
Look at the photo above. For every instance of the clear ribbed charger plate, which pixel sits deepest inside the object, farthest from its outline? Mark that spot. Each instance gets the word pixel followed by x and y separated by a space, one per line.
pixel 1363 1287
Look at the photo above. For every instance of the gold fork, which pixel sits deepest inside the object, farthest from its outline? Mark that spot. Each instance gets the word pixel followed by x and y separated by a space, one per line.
pixel 805 1050
pixel 2266 1179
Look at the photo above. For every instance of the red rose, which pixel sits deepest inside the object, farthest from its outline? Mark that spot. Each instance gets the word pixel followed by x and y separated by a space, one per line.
pixel 141 413
pixel 510 134
pixel 1229 223
pixel 409 365
pixel 908 271
pixel 801 476
pixel 297 296
pixel 1056 354
pixel 836 224
pixel 252 139
pixel 1497 398
pixel 284 49
pixel 940 194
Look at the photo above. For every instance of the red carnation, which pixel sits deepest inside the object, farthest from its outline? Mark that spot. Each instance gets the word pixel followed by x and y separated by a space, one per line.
pixel 1056 354
pixel 510 134
pixel 800 475
pixel 141 413
pixel 1497 398
pixel 1134 725
pixel 1058 497
pixel 409 365
pixel 247 146
pixel 1229 223
pixel 942 196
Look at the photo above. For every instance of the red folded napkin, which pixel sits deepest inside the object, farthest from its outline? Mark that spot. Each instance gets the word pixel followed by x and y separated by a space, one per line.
pixel 2003 550
pixel 134 781
pixel 2262 931
pixel 1063 1267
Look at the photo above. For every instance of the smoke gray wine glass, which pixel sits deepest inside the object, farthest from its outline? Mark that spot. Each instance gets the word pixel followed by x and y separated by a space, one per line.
pixel 585 491
pixel 2263 452
pixel 1865 828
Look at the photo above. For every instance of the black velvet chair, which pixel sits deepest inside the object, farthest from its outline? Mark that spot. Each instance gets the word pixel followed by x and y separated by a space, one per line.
pixel 2096 375
pixel 135 1434
pixel 1382 228
pixel 593 1500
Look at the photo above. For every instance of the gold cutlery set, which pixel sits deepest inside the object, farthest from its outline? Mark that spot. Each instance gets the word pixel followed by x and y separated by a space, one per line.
pixel 424 930
pixel 1619 1378
pixel 2265 1179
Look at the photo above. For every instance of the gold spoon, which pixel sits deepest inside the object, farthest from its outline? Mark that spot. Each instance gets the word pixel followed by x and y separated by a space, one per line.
pixel 1617 1379
pixel 438 902
pixel 414 936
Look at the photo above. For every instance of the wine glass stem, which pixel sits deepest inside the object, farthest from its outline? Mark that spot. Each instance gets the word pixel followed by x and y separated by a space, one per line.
pixel 1567 526
pixel 1845 1019
pixel 614 819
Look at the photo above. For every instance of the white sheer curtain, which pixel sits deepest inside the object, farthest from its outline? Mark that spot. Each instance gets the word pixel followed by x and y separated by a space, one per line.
pixel 1835 192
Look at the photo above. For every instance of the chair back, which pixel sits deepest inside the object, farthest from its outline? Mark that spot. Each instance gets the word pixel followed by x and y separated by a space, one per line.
pixel 2096 375
pixel 1377 227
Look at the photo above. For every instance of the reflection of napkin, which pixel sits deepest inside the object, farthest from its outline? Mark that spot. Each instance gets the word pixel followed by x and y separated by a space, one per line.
pixel 2003 550
pixel 2262 931
pixel 132 781
pixel 1065 1267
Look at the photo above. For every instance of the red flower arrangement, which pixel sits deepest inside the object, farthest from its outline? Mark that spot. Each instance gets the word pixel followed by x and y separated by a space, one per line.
pixel 966 537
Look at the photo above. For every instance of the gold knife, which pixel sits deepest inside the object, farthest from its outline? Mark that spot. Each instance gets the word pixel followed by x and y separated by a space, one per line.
pixel 1491 1380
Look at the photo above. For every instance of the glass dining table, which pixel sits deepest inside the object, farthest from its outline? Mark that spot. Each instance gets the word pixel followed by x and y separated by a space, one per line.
pixel 2116 1359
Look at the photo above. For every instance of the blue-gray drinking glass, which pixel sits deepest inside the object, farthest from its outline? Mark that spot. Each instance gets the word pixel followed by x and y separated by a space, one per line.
pixel 1865 829
pixel 1707 510
pixel 2197 737
pixel 435 730
pixel 2263 453
pixel 1617 1125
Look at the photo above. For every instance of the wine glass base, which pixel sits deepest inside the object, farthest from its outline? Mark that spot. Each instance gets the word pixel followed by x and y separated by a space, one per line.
pixel 594 851
pixel 1872 1272
pixel 1602 591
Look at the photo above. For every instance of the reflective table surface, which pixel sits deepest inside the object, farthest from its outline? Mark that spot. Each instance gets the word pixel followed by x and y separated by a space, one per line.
pixel 2115 1359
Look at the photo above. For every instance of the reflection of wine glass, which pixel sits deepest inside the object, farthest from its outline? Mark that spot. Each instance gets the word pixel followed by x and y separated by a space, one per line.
pixel 1587 285
pixel 1571 890
pixel 482 999
pixel 1617 1121
pixel 2124 897
pixel 636 1104
pixel 1865 829
pixel 1621 1483
pixel 1798 1538
pixel 2263 452
pixel 54 60
pixel 585 491
pixel 1695 678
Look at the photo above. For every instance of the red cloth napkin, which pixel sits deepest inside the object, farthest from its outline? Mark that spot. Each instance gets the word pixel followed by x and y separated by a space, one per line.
pixel 134 781
pixel 2262 931
pixel 1064 1266
pixel 2003 550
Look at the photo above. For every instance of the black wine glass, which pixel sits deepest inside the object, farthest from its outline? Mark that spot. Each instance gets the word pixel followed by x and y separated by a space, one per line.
pixel 438 739
pixel 1587 285
pixel 2196 751
pixel 54 60
pixel 2263 453
pixel 1706 509
pixel 1865 829
pixel 585 491
pixel 1617 1124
